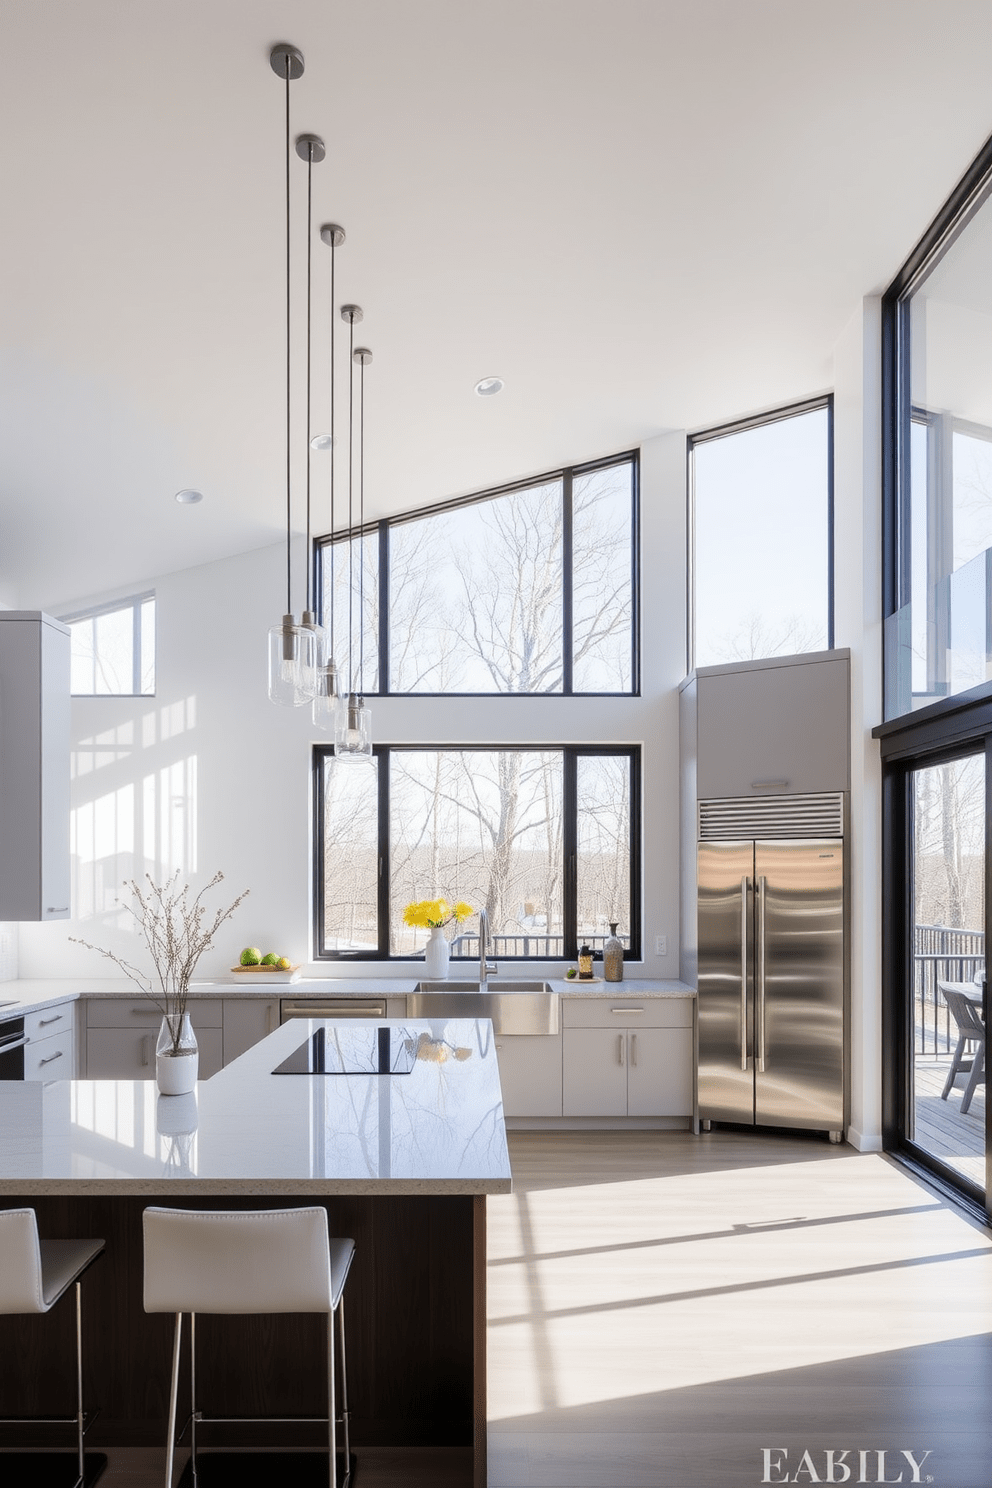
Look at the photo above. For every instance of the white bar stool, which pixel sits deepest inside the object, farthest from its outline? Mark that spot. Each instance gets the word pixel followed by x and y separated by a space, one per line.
pixel 247 1261
pixel 34 1274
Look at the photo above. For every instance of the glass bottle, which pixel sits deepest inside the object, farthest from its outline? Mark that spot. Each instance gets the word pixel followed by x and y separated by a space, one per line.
pixel 613 957
pixel 585 964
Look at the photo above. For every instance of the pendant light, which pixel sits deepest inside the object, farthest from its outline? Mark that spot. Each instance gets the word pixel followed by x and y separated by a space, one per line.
pixel 310 147
pixel 353 739
pixel 327 703
pixel 292 647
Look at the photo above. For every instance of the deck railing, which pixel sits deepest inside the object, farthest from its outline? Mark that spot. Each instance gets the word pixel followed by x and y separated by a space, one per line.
pixel 941 954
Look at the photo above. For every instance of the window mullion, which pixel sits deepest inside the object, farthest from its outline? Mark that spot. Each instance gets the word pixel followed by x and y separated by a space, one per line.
pixel 382 754
pixel 569 840
pixel 384 665
pixel 567 645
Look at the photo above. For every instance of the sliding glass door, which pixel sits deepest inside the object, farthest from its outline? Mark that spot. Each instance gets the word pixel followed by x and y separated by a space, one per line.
pixel 944 983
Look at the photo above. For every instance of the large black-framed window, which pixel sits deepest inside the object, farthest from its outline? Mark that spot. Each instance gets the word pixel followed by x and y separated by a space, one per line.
pixel 761 535
pixel 937 457
pixel 933 762
pixel 527 588
pixel 546 837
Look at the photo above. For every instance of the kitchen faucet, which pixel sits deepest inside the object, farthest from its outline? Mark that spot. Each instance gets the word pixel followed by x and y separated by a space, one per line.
pixel 485 967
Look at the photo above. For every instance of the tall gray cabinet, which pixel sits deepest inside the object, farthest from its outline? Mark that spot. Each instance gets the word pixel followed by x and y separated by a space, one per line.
pixel 34 766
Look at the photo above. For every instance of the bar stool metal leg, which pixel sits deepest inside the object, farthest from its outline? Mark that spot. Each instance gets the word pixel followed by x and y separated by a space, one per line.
pixel 80 1460
pixel 345 1414
pixel 192 1393
pixel 332 1439
pixel 170 1449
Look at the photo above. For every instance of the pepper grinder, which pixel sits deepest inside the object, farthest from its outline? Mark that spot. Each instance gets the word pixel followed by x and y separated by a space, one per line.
pixel 585 964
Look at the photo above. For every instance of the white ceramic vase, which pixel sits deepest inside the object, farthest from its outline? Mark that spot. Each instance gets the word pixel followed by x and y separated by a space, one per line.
pixel 436 955
pixel 176 1072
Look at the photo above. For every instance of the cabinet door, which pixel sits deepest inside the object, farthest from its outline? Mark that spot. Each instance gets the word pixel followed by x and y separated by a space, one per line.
pixel 530 1074
pixel 659 1072
pixel 594 1072
pixel 129 1053
pixel 247 1020
pixel 787 724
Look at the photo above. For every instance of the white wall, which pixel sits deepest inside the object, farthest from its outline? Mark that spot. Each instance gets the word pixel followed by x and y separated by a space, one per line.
pixel 858 600
pixel 208 774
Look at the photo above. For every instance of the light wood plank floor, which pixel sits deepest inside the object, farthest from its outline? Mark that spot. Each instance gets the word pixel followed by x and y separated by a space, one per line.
pixel 662 1307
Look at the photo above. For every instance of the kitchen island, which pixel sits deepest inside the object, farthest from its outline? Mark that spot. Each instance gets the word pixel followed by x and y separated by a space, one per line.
pixel 402 1161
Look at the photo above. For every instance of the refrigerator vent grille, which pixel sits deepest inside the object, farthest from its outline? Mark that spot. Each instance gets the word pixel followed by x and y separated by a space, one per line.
pixel 771 816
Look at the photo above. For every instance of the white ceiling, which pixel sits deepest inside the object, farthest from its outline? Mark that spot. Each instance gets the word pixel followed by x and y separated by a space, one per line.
pixel 642 214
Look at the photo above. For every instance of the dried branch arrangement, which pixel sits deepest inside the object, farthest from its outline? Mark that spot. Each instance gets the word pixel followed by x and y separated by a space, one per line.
pixel 177 931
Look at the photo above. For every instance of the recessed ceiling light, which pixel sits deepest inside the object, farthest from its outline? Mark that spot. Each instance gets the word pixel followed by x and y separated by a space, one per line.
pixel 189 497
pixel 321 442
pixel 489 387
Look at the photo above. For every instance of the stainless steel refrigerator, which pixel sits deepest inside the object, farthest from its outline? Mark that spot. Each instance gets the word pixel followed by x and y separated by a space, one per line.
pixel 771 1022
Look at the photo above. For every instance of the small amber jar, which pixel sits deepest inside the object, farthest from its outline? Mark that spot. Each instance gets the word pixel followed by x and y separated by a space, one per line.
pixel 585 964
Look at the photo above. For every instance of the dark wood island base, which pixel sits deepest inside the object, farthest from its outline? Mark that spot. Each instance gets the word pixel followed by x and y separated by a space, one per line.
pixel 416 1318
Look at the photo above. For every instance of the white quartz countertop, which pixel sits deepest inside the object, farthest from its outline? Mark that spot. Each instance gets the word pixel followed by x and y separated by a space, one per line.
pixel 437 1130
pixel 33 994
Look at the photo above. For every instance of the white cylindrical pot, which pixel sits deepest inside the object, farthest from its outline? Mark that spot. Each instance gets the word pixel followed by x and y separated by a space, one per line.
pixel 177 1061
pixel 436 955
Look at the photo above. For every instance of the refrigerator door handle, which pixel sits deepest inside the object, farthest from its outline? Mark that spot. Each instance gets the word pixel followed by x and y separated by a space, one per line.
pixel 745 886
pixel 762 891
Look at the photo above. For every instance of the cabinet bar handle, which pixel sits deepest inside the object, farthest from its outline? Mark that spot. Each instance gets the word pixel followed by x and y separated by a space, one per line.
pixel 54 909
pixel 626 1010
pixel 44 1022
pixel 50 1058
pixel 745 885
pixel 622 1047
pixel 633 1048
pixel 146 1040
pixel 762 894
pixel 145 1013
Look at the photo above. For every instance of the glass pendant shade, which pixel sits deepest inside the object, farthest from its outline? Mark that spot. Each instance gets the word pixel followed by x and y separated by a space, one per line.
pixel 353 739
pixel 328 703
pixel 310 622
pixel 292 664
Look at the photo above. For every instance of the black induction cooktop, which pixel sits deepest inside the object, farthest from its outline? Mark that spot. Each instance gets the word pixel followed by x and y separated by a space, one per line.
pixel 353 1051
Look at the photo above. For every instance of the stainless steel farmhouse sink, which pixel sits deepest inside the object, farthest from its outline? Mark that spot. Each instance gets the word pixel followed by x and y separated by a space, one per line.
pixel 514 1007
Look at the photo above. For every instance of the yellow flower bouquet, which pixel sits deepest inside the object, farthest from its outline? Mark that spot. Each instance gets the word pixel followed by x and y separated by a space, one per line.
pixel 434 914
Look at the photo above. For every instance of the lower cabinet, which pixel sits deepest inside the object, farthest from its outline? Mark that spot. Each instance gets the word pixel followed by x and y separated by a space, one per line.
pixel 50 1051
pixel 530 1074
pixel 247 1020
pixel 121 1034
pixel 621 1057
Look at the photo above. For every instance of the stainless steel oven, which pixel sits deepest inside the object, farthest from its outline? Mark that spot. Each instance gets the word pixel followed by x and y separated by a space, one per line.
pixel 12 1041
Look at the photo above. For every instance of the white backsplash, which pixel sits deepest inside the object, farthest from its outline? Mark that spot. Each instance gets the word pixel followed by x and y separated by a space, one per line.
pixel 8 952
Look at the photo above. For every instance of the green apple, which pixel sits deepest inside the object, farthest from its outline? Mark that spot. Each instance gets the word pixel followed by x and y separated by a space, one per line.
pixel 251 956
pixel 270 960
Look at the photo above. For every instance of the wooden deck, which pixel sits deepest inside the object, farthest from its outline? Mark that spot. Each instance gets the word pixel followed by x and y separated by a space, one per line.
pixel 957 1140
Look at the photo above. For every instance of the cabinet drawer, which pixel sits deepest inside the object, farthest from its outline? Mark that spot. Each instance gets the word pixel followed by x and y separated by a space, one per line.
pixel 129 1053
pixel 46 1021
pixel 626 1012
pixel 138 1012
pixel 50 1058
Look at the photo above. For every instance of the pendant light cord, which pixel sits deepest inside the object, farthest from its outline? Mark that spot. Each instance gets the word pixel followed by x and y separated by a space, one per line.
pixel 289 513
pixel 351 522
pixel 361 527
pixel 309 299
pixel 331 545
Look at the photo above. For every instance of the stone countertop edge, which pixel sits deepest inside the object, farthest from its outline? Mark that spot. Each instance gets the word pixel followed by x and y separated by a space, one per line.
pixel 31 996
pixel 113 1187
